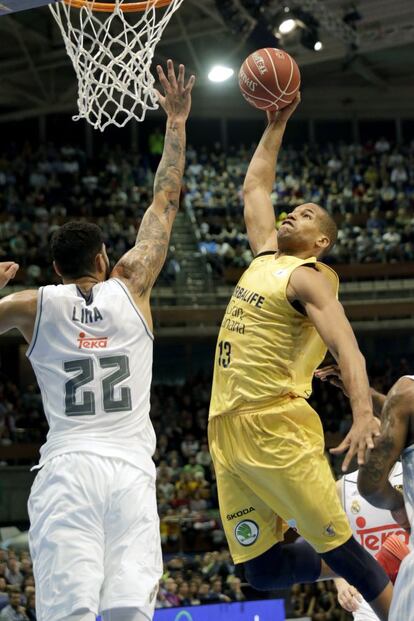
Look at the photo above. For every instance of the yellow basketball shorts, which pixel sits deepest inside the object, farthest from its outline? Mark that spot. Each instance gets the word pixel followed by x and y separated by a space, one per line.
pixel 272 474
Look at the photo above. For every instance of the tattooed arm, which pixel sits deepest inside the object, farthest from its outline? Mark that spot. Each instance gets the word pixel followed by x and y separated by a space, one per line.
pixel 373 481
pixel 140 267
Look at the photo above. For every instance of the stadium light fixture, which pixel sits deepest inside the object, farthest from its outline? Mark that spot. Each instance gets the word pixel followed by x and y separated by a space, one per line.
pixel 288 25
pixel 220 73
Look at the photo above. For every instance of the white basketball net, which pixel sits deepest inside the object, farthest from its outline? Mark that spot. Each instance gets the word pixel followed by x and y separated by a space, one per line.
pixel 112 55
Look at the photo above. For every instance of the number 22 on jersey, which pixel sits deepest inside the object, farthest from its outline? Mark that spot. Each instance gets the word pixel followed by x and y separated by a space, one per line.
pixel 85 369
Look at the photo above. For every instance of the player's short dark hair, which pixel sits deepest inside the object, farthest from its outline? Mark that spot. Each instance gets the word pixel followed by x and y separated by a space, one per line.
pixel 328 227
pixel 74 247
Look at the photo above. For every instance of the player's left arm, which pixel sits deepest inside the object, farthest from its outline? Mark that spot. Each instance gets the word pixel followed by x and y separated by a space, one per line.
pixel 17 310
pixel 140 266
pixel 318 298
pixel 373 481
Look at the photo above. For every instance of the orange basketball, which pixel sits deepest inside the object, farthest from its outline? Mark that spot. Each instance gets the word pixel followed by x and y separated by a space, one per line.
pixel 269 79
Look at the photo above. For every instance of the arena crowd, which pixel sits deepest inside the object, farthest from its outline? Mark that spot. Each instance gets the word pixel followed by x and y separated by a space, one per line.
pixel 368 188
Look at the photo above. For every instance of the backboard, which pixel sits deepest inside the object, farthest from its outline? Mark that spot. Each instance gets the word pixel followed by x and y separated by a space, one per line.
pixel 11 6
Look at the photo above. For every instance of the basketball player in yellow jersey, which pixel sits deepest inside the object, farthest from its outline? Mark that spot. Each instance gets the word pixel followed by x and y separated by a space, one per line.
pixel 266 441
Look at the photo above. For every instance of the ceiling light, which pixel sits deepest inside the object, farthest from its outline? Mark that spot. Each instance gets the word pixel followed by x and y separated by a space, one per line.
pixel 287 26
pixel 220 73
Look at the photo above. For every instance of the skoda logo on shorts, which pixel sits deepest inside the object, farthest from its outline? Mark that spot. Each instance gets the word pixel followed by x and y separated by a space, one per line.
pixel 246 532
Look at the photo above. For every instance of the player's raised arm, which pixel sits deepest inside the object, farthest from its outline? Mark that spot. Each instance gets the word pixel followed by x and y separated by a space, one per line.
pixel 373 481
pixel 259 214
pixel 315 293
pixel 140 266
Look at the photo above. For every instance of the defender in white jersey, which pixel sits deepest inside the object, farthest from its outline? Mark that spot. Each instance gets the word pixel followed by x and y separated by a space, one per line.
pixel 371 527
pixel 94 533
pixel 396 440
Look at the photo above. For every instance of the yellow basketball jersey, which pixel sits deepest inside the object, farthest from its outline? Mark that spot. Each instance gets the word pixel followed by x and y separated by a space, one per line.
pixel 266 349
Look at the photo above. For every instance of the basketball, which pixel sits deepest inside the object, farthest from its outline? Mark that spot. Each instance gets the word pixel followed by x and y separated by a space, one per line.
pixel 269 79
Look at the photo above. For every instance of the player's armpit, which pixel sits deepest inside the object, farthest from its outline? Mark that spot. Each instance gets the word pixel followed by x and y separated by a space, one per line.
pixel 18 310
pixel 373 481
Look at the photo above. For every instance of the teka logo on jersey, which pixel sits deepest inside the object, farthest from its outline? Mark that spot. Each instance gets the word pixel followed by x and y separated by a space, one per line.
pixel 373 538
pixel 91 342
pixel 237 514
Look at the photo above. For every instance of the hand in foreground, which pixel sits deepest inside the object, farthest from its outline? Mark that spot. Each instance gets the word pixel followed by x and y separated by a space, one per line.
pixel 8 270
pixel 359 438
pixel 331 374
pixel 176 100
pixel 348 596
pixel 282 116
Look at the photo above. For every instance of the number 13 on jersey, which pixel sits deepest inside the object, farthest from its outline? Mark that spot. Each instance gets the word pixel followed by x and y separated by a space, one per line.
pixel 224 357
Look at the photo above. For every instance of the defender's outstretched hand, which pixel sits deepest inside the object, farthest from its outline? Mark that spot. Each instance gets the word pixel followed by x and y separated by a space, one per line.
pixel 8 270
pixel 176 100
pixel 331 374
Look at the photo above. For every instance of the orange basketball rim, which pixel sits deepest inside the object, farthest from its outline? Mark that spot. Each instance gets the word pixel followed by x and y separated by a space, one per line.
pixel 109 7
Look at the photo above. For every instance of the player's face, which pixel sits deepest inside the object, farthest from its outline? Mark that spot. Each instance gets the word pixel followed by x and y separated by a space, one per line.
pixel 300 230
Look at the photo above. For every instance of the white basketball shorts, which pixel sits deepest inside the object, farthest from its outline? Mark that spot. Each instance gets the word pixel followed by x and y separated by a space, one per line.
pixel 94 536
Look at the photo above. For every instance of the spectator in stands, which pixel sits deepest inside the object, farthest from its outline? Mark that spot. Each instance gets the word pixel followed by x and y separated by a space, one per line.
pixel 234 590
pixel 14 611
pixel 217 591
pixel 13 574
pixel 184 594
pixel 4 596
pixel 155 146
pixel 170 592
pixel 31 607
pixel 325 607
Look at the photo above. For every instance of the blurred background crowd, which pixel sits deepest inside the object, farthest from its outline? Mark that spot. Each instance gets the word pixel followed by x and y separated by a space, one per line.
pixel 368 188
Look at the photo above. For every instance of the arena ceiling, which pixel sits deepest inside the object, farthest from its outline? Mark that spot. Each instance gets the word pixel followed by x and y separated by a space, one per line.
pixel 367 71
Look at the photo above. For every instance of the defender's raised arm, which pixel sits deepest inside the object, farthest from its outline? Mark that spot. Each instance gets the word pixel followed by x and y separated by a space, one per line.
pixel 140 266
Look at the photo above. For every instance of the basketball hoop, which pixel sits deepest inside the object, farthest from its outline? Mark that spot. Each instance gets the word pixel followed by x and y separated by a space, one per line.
pixel 111 46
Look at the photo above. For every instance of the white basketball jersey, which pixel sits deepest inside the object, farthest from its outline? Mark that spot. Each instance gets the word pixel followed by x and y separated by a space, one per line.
pixel 407 459
pixel 93 361
pixel 402 605
pixel 370 525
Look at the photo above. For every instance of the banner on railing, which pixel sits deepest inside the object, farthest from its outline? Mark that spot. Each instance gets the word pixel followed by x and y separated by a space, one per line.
pixel 260 610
